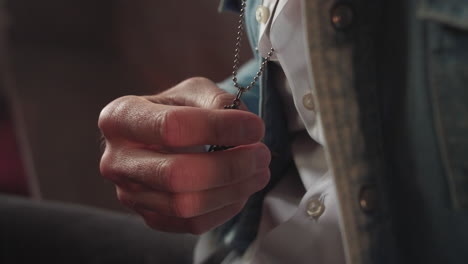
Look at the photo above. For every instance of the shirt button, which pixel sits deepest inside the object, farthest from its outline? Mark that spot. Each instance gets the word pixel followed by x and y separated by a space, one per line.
pixel 342 16
pixel 308 101
pixel 315 208
pixel 262 14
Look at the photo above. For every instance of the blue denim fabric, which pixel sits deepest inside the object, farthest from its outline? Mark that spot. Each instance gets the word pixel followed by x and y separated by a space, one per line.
pixel 428 150
pixel 448 74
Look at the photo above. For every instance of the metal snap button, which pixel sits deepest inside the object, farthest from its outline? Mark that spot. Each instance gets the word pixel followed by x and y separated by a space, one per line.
pixel 342 16
pixel 368 199
pixel 308 101
pixel 315 208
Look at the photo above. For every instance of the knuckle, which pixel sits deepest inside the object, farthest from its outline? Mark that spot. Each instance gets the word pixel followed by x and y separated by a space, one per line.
pixel 108 166
pixel 110 114
pixel 106 121
pixel 198 81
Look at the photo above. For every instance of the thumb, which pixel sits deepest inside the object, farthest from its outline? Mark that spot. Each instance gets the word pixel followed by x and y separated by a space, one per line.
pixel 196 92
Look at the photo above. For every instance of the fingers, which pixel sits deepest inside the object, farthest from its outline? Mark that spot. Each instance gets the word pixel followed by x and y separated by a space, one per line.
pixel 188 172
pixel 183 192
pixel 196 225
pixel 138 120
pixel 192 204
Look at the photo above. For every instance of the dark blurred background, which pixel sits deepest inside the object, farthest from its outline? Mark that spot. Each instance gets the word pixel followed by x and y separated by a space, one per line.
pixel 62 61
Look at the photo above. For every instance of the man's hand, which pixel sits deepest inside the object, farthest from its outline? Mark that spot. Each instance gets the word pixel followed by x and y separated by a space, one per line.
pixel 177 191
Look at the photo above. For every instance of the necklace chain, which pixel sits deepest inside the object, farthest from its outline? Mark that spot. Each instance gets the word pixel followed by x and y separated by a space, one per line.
pixel 240 90
pixel 240 32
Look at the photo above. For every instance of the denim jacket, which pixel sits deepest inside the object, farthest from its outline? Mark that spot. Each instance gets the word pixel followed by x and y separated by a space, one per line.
pixel 392 91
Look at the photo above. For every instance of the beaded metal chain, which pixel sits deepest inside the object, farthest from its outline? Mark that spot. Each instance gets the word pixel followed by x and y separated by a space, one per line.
pixel 241 90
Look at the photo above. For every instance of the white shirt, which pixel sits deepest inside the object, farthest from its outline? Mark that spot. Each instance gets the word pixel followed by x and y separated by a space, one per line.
pixel 287 233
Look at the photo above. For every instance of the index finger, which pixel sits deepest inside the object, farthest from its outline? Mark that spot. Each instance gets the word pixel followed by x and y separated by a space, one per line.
pixel 136 119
